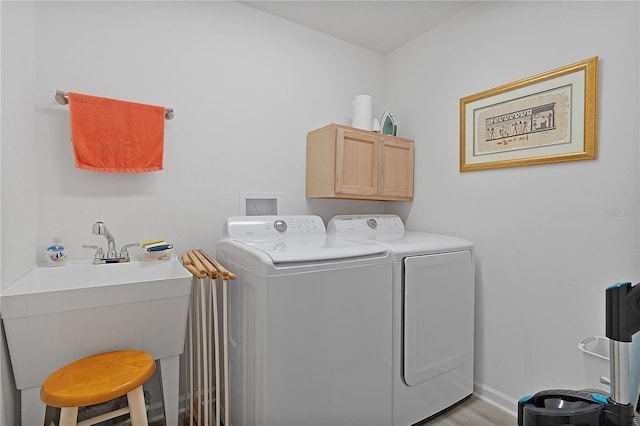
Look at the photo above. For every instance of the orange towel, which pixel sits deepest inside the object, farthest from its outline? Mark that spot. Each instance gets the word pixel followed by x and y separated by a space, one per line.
pixel 116 136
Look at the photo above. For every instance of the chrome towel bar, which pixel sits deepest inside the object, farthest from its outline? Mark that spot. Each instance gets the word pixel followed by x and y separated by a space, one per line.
pixel 63 99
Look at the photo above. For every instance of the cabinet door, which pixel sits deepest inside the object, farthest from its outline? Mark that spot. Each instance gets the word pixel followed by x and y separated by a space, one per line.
pixel 356 163
pixel 396 167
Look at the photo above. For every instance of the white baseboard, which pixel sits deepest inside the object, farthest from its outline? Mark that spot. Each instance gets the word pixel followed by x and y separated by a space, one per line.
pixel 486 393
pixel 496 398
pixel 155 412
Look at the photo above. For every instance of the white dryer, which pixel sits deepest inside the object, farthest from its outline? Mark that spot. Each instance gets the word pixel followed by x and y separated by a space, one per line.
pixel 433 313
pixel 309 324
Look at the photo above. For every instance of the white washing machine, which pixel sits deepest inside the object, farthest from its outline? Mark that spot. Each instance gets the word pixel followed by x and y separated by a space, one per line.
pixel 433 313
pixel 309 324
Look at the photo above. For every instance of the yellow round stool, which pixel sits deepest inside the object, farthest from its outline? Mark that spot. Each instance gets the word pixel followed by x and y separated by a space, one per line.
pixel 100 378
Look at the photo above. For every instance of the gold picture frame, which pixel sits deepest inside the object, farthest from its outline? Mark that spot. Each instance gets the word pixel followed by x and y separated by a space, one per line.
pixel 548 118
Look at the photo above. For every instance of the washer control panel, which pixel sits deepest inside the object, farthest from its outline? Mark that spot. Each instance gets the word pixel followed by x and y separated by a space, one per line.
pixel 365 225
pixel 254 226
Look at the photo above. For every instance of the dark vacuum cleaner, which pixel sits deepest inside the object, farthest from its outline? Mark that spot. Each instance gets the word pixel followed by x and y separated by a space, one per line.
pixel 581 408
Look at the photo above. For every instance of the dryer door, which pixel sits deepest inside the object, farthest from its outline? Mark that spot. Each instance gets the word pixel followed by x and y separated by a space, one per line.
pixel 438 314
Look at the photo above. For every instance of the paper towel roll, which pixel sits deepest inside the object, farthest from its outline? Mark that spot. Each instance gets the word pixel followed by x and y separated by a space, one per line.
pixel 362 112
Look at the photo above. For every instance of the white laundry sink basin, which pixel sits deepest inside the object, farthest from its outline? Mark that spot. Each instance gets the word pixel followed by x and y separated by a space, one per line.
pixel 82 285
pixel 55 315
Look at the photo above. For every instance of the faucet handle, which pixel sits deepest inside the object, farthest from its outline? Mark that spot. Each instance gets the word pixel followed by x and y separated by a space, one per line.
pixel 99 253
pixel 124 252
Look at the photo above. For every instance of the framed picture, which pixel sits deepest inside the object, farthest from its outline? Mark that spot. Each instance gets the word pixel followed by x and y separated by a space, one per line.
pixel 548 118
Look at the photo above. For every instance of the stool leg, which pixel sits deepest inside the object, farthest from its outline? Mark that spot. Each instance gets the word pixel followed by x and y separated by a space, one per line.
pixel 68 416
pixel 137 407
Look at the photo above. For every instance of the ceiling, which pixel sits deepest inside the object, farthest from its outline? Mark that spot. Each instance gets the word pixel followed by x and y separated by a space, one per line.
pixel 381 26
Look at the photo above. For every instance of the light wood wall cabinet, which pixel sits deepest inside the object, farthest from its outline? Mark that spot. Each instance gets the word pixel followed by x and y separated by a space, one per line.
pixel 344 162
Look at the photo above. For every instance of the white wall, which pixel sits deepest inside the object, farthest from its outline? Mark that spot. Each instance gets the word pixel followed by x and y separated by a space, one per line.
pixel 19 199
pixel 246 88
pixel 549 238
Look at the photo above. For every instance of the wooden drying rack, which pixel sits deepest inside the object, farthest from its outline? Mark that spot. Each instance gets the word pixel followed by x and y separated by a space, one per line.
pixel 204 339
pixel 200 264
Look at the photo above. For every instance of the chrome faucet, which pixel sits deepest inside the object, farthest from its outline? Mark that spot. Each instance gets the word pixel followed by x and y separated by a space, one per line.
pixel 99 228
pixel 112 256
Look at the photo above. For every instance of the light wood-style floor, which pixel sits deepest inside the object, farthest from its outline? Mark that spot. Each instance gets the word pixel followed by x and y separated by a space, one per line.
pixel 473 412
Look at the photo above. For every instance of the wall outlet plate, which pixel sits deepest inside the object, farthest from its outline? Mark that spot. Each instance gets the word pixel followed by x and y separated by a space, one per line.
pixel 259 203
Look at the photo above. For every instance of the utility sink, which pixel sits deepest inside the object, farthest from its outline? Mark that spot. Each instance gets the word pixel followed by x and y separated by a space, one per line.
pixel 55 315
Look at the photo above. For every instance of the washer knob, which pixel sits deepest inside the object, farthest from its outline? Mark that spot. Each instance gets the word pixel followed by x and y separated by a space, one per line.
pixel 372 223
pixel 280 225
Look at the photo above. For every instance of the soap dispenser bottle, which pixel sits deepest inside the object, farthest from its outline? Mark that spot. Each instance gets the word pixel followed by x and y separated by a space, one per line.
pixel 56 254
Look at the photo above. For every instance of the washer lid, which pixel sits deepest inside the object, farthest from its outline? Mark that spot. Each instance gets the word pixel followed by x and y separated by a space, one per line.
pixel 312 249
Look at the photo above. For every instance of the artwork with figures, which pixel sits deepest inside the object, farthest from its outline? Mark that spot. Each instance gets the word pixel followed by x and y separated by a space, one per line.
pixel 542 119
pixel 547 118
